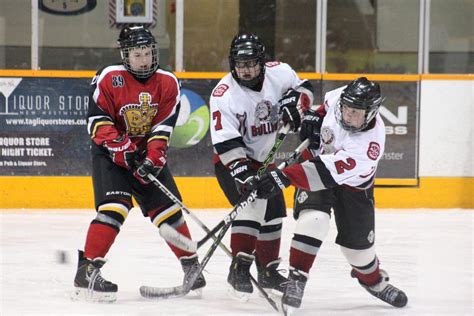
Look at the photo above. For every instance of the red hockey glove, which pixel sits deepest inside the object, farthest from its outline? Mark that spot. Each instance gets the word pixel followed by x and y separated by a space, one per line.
pixel 293 105
pixel 122 151
pixel 153 163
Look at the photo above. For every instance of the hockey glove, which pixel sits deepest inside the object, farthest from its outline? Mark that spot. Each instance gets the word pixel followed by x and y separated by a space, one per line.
pixel 242 174
pixel 292 106
pixel 122 151
pixel 270 183
pixel 153 163
pixel 311 127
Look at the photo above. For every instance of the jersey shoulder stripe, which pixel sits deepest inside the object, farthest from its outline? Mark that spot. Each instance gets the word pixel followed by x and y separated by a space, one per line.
pixel 101 74
pixel 168 74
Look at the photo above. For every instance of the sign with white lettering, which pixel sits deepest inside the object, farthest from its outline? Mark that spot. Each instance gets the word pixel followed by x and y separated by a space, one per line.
pixel 43 128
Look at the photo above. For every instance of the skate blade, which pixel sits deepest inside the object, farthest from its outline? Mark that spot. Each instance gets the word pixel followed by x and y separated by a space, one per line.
pixel 82 294
pixel 288 310
pixel 197 293
pixel 272 293
pixel 238 296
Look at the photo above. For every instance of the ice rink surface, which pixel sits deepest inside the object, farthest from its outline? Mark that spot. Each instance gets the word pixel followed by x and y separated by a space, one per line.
pixel 427 253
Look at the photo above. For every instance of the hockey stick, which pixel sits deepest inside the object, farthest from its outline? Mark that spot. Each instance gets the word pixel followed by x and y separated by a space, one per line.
pixel 173 291
pixel 181 290
pixel 167 232
pixel 207 257
pixel 180 241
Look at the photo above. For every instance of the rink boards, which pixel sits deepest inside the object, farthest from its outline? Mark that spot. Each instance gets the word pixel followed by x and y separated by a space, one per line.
pixel 76 192
pixel 426 163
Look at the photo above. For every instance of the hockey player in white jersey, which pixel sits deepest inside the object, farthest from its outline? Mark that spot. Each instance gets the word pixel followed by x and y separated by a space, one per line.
pixel 348 140
pixel 246 108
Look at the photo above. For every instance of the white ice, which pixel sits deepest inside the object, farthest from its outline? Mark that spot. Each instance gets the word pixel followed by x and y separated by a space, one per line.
pixel 427 253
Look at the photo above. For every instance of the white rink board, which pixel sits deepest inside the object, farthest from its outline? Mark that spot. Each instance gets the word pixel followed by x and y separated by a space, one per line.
pixel 428 253
pixel 446 143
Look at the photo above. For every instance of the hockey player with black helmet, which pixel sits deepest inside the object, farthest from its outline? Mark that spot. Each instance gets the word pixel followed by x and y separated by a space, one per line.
pixel 129 135
pixel 247 106
pixel 348 139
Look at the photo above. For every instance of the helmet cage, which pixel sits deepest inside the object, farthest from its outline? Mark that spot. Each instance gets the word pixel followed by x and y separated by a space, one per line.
pixel 363 95
pixel 145 72
pixel 138 37
pixel 245 48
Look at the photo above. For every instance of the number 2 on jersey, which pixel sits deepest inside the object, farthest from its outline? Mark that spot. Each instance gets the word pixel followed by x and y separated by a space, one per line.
pixel 216 116
pixel 342 166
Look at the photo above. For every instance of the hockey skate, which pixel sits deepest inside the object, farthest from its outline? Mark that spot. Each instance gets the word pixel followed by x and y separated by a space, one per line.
pixel 89 283
pixel 384 290
pixel 294 290
pixel 190 265
pixel 239 277
pixel 269 277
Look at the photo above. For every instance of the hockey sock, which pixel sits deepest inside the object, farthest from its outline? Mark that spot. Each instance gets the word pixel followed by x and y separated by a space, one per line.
pixel 311 228
pixel 365 264
pixel 183 230
pixel 303 252
pixel 370 278
pixel 267 251
pixel 100 238
pixel 242 243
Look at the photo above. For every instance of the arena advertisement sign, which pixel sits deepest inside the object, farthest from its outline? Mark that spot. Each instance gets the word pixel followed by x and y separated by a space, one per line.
pixel 43 128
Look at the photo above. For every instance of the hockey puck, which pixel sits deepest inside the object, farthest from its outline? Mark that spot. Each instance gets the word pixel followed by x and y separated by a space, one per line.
pixel 62 256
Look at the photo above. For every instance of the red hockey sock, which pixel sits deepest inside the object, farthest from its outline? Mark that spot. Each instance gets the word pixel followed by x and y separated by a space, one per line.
pixel 242 243
pixel 267 251
pixel 99 239
pixel 369 279
pixel 301 260
pixel 183 230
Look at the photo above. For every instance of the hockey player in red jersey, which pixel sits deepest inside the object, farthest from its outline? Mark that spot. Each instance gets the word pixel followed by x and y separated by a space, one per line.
pixel 133 110
pixel 347 139
pixel 246 106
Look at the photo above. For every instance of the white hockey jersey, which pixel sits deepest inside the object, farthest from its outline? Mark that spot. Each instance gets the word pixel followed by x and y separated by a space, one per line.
pixel 244 122
pixel 344 158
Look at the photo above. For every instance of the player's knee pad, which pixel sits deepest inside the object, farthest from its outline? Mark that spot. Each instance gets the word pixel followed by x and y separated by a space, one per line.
pixel 313 223
pixel 271 230
pixel 112 213
pixel 360 257
pixel 311 229
pixel 171 215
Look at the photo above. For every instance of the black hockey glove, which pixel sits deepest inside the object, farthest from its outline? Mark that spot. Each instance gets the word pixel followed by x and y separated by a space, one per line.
pixel 292 106
pixel 242 174
pixel 270 183
pixel 144 169
pixel 311 127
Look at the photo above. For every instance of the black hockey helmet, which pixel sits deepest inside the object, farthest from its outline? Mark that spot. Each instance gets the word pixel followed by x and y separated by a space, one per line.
pixel 133 37
pixel 245 47
pixel 361 94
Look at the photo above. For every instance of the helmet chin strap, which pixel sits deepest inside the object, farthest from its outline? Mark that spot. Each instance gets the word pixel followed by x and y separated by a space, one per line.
pixel 254 84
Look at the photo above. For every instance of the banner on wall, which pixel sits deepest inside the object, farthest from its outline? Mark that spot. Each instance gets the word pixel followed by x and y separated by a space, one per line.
pixel 43 128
